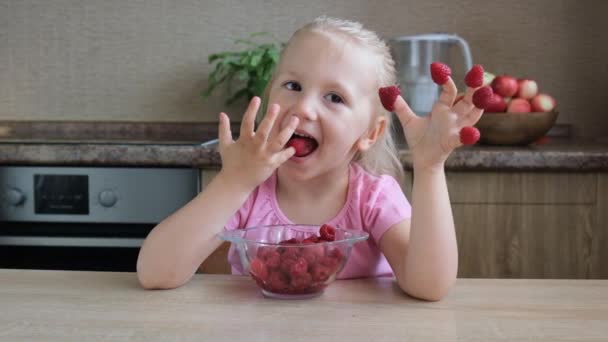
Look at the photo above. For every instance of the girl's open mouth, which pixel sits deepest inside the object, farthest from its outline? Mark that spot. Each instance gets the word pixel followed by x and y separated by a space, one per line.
pixel 303 143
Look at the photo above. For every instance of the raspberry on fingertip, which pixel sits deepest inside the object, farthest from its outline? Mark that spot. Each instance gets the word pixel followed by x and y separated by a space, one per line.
pixel 440 73
pixel 388 96
pixel 469 135
pixel 474 78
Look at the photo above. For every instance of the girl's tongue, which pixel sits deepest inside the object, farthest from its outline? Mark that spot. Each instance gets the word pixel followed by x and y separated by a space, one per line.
pixel 303 145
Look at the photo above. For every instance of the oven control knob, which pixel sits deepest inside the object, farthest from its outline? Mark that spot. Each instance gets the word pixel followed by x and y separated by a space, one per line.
pixel 107 198
pixel 14 196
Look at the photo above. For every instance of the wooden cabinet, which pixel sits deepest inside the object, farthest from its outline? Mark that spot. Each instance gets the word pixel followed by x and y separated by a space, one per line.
pixel 599 232
pixel 530 225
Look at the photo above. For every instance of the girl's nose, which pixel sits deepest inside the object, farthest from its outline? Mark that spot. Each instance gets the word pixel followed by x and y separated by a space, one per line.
pixel 304 109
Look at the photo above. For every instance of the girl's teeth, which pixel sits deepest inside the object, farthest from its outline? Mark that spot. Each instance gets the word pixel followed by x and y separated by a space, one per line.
pixel 304 135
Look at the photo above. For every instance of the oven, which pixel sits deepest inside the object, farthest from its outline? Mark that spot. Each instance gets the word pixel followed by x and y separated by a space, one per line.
pixel 85 218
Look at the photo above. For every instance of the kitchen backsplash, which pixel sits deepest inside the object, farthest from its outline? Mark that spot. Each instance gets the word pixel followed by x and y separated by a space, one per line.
pixel 146 60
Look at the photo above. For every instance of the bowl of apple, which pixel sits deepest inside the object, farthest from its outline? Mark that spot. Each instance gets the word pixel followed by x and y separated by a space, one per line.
pixel 518 113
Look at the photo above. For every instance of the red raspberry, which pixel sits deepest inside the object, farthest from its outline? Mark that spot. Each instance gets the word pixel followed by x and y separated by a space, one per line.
pixel 320 272
pixel 312 253
pixel 273 259
pixel 259 269
pixel 440 72
pixel 299 267
pixel 482 97
pixel 277 281
pixel 303 146
pixel 312 238
pixel 388 95
pixel 301 281
pixel 474 77
pixel 263 252
pixel 328 233
pixel 330 263
pixel 290 253
pixel 336 254
pixel 286 265
pixel 469 135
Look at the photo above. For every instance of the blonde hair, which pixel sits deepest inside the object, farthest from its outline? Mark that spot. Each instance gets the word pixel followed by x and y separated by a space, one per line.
pixel 382 157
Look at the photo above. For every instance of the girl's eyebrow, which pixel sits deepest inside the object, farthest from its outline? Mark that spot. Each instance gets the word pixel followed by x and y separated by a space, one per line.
pixel 291 73
pixel 342 87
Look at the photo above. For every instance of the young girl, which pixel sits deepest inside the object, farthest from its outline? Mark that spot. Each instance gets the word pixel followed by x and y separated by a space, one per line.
pixel 324 154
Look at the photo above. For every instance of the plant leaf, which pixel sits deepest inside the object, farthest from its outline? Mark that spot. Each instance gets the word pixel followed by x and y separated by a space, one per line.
pixel 242 92
pixel 252 67
pixel 255 60
pixel 243 75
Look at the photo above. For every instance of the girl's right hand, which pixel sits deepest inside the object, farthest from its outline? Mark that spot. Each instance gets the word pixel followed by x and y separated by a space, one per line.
pixel 255 155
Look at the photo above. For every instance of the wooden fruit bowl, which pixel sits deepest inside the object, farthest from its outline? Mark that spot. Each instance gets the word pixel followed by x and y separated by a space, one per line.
pixel 514 128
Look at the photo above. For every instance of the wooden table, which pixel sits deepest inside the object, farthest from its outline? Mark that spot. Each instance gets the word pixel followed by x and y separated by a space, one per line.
pixel 80 306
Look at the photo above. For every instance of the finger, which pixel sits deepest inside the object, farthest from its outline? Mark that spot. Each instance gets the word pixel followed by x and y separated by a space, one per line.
pixel 266 124
pixel 225 135
pixel 278 143
pixel 284 155
pixel 403 111
pixel 465 105
pixel 249 118
pixel 449 93
pixel 471 118
pixel 454 141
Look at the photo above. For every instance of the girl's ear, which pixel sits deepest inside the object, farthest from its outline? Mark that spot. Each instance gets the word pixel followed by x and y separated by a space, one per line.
pixel 369 139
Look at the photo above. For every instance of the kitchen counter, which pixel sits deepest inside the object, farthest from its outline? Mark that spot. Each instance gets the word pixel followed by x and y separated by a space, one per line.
pixel 66 306
pixel 179 145
pixel 575 155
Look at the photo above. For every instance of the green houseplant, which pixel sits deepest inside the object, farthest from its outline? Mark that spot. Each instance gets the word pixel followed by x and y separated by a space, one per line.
pixel 252 67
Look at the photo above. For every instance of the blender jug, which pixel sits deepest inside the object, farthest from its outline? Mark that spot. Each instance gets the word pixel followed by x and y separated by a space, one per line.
pixel 413 56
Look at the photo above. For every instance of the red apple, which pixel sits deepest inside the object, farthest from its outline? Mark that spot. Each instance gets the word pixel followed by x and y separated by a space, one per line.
pixel 542 103
pixel 527 88
pixel 505 85
pixel 518 105
pixel 497 104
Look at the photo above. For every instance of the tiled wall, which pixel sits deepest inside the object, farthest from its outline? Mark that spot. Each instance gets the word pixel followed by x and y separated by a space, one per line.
pixel 146 60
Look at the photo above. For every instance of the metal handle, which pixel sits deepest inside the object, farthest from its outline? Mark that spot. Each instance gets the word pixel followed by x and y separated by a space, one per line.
pixel 466 52
pixel 444 37
pixel 70 241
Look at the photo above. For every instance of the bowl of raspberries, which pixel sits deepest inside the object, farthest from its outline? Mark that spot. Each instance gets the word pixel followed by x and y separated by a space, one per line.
pixel 293 261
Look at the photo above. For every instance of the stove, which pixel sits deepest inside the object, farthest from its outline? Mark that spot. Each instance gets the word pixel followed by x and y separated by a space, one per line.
pixel 85 218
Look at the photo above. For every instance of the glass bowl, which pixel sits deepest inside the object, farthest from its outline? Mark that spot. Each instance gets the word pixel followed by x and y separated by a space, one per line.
pixel 293 261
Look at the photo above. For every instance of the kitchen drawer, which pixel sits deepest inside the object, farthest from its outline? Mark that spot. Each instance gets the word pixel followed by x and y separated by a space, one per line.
pixel 528 241
pixel 522 188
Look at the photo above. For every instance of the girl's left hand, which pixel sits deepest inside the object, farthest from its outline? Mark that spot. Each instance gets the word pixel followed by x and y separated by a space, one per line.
pixel 432 138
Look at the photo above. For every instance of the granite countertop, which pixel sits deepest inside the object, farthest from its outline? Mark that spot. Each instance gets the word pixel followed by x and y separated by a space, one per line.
pixel 179 145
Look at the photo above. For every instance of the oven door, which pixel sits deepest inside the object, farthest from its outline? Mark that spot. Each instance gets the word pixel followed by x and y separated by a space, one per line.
pixel 71 246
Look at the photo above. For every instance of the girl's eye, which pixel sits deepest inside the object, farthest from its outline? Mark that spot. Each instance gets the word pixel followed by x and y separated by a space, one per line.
pixel 334 98
pixel 292 85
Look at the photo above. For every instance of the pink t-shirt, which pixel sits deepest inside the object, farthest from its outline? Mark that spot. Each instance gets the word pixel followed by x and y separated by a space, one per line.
pixel 373 204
